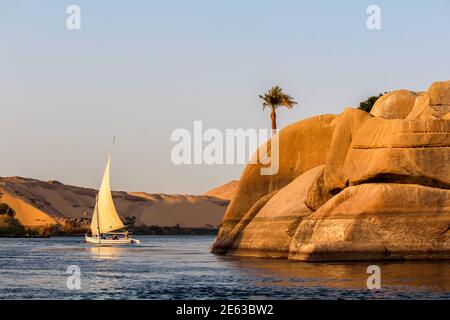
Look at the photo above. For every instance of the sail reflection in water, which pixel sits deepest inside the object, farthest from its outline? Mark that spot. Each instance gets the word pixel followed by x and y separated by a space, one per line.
pixel 107 252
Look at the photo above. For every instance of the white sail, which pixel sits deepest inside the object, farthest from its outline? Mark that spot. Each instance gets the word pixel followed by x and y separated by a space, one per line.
pixel 105 218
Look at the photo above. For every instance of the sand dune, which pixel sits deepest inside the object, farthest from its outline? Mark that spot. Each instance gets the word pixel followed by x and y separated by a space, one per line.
pixel 26 213
pixel 41 203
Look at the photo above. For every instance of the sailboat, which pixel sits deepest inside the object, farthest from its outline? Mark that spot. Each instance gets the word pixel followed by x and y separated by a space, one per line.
pixel 106 224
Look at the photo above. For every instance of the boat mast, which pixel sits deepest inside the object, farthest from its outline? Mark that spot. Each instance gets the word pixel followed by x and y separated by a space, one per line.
pixel 110 152
pixel 98 218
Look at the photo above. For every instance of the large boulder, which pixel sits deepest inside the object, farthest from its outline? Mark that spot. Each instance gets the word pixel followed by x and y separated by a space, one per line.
pixel 380 187
pixel 270 232
pixel 383 150
pixel 377 221
pixel 433 104
pixel 394 105
pixel 225 192
pixel 302 146
pixel 332 179
pixel 439 93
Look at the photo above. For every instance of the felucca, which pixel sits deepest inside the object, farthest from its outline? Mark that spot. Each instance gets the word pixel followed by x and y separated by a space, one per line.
pixel 106 226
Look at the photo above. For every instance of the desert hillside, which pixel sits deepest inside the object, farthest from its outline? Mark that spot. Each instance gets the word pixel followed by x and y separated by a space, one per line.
pixel 40 203
pixel 225 191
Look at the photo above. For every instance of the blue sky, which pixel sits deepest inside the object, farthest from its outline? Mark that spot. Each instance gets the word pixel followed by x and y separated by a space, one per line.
pixel 140 69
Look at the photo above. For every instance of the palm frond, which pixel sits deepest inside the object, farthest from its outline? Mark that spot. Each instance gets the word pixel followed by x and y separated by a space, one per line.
pixel 275 97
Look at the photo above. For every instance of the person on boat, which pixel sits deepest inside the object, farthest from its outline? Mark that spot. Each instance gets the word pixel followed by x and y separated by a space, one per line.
pixel 126 234
pixel 115 237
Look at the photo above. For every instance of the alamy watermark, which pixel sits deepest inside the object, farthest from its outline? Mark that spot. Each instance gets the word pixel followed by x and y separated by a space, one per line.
pixel 374 280
pixel 73 281
pixel 73 21
pixel 234 146
pixel 374 20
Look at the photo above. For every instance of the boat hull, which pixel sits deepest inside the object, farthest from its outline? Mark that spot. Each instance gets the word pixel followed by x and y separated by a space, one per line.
pixel 110 242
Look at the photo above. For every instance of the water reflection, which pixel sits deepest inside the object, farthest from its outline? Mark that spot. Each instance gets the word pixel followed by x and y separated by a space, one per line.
pixel 414 274
pixel 181 267
pixel 107 253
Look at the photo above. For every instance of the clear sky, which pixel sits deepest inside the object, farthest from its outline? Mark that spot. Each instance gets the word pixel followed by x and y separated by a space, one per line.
pixel 140 69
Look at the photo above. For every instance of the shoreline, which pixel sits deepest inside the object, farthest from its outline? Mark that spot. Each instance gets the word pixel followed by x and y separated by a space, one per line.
pixel 145 231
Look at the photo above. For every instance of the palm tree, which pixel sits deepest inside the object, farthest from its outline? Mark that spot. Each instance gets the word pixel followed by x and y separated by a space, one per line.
pixel 273 99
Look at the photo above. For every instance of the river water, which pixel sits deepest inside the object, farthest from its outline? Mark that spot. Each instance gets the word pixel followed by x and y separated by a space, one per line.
pixel 181 267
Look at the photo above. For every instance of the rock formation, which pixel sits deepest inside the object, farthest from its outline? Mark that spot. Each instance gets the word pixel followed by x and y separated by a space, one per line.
pixel 356 186
pixel 303 146
pixel 225 192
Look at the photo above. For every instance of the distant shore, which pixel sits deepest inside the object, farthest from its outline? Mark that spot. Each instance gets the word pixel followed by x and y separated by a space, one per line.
pixel 174 230
pixel 151 230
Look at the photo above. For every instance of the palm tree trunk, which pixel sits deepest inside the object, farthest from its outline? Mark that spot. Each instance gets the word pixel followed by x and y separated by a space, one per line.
pixel 273 116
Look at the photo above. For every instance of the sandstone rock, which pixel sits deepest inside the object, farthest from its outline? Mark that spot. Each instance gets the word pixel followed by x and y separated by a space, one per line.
pixel 226 191
pixel 424 109
pixel 399 151
pixel 433 104
pixel 377 221
pixel 270 232
pixel 317 193
pixel 383 192
pixel 439 93
pixel 394 105
pixel 223 243
pixel 333 179
pixel 384 151
pixel 302 146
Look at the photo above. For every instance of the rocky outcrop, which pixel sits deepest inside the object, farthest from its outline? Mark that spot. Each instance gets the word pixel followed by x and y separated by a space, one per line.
pixel 380 188
pixel 394 105
pixel 225 192
pixel 275 224
pixel 433 104
pixel 368 150
pixel 302 146
pixel 377 221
